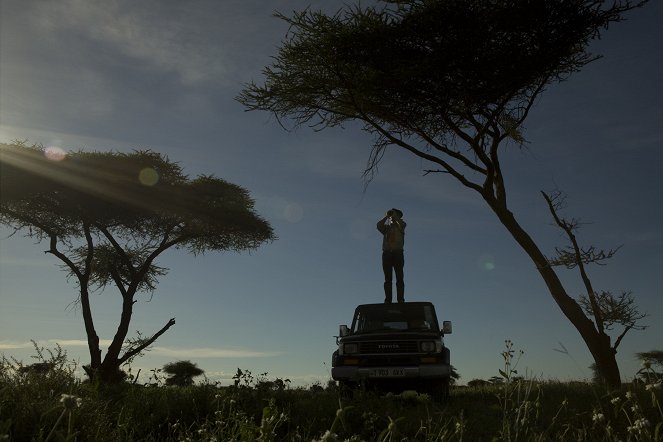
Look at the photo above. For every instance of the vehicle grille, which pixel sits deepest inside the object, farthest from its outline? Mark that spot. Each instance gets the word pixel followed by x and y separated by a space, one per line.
pixel 382 347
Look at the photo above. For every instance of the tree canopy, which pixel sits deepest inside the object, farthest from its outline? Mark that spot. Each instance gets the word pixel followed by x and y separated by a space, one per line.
pixel 427 74
pixel 136 195
pixel 109 215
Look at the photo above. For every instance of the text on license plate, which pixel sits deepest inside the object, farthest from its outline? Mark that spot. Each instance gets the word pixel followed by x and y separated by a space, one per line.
pixel 387 372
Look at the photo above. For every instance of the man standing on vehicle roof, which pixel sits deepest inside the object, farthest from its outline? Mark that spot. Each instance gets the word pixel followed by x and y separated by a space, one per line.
pixel 392 228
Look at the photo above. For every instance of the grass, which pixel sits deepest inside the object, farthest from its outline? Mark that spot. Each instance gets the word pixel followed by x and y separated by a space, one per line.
pixel 58 406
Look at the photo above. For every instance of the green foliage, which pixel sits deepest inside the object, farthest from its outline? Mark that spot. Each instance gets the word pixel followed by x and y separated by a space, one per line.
pixel 108 191
pixel 651 372
pixel 419 72
pixel 57 406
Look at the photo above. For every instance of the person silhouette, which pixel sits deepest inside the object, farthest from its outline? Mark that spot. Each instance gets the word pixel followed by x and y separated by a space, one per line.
pixel 392 228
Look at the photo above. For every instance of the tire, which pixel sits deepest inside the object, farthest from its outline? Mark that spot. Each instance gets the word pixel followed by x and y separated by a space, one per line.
pixel 346 389
pixel 440 390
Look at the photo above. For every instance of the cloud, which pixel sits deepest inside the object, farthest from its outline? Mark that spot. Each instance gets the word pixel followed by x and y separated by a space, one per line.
pixel 7 345
pixel 206 352
pixel 17 345
pixel 203 352
pixel 167 37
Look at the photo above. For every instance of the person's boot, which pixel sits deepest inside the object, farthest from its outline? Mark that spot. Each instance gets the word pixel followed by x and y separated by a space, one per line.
pixel 400 291
pixel 387 292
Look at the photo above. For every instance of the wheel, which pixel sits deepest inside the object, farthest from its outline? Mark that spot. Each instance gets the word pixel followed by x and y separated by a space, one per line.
pixel 346 389
pixel 440 390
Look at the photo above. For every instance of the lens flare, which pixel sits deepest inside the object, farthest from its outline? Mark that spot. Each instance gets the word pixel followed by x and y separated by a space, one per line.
pixel 486 262
pixel 55 153
pixel 148 176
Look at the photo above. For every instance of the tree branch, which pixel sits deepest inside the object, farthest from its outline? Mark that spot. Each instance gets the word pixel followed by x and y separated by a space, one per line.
pixel 568 229
pixel 133 352
pixel 620 337
pixel 118 248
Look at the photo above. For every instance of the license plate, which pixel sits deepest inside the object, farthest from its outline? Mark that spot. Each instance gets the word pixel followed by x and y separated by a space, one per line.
pixel 387 373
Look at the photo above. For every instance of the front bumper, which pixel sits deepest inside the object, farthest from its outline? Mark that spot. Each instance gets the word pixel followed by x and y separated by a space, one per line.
pixel 356 374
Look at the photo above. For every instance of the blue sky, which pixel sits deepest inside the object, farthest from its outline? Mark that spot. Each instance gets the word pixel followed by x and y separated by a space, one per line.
pixel 120 75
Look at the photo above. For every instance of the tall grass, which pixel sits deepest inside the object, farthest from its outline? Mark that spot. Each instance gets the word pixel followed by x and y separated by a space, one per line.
pixel 58 406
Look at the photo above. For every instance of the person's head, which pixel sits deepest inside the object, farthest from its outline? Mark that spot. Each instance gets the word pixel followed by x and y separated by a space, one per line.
pixel 396 212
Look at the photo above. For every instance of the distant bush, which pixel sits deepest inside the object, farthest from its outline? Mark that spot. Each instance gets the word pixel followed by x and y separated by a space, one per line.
pixel 181 373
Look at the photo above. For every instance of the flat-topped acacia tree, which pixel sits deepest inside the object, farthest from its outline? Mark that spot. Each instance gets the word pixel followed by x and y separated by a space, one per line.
pixel 108 216
pixel 450 81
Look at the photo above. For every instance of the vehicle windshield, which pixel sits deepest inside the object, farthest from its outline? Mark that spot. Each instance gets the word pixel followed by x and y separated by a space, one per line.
pixel 394 317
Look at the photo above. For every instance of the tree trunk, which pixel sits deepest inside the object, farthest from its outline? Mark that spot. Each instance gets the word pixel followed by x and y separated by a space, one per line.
pixel 597 343
pixel 110 368
pixel 92 338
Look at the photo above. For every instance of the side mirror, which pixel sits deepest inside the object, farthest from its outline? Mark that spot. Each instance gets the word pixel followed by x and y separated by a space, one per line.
pixel 446 327
pixel 343 330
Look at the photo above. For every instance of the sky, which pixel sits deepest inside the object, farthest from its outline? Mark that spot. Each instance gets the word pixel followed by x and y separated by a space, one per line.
pixel 163 75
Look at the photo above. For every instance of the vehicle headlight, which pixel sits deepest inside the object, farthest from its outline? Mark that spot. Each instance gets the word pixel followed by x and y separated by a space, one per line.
pixel 428 346
pixel 350 348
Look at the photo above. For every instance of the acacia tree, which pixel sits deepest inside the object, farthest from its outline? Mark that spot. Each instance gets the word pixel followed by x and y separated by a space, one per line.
pixel 451 81
pixel 182 373
pixel 108 216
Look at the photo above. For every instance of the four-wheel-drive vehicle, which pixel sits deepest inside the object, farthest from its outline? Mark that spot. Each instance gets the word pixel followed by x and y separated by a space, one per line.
pixel 394 347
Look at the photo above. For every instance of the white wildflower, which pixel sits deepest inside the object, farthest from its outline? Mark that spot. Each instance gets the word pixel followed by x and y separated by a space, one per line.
pixel 638 426
pixel 328 437
pixel 641 423
pixel 629 395
pixel 70 401
pixel 652 387
pixel 615 400
pixel 598 417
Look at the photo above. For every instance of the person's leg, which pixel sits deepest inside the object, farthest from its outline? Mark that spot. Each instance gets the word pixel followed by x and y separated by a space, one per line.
pixel 399 263
pixel 386 268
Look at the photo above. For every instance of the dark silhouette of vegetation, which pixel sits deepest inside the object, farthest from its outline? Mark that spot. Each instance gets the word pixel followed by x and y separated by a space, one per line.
pixel 606 309
pixel 450 81
pixel 253 410
pixel 453 378
pixel 652 366
pixel 108 216
pixel 181 373
pixel 475 383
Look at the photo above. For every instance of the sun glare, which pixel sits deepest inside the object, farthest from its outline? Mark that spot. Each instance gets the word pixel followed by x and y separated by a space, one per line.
pixel 148 176
pixel 54 153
